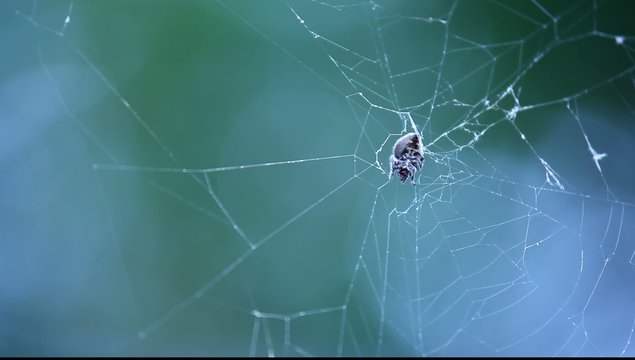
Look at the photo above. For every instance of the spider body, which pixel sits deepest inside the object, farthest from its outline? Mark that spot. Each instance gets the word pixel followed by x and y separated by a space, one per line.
pixel 407 157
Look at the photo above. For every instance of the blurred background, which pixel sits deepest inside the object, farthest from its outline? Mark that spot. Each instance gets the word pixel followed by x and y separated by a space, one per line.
pixel 131 224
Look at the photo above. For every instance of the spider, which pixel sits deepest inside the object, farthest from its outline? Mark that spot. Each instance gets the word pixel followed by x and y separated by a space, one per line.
pixel 407 157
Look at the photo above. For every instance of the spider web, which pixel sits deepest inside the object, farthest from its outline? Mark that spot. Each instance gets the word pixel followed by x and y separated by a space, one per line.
pixel 212 178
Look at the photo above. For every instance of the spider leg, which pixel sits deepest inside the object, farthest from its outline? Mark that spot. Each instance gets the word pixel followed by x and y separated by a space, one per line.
pixel 392 167
pixel 414 165
pixel 416 162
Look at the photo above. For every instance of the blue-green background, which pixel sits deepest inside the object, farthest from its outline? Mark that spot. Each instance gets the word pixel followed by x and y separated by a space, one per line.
pixel 99 260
